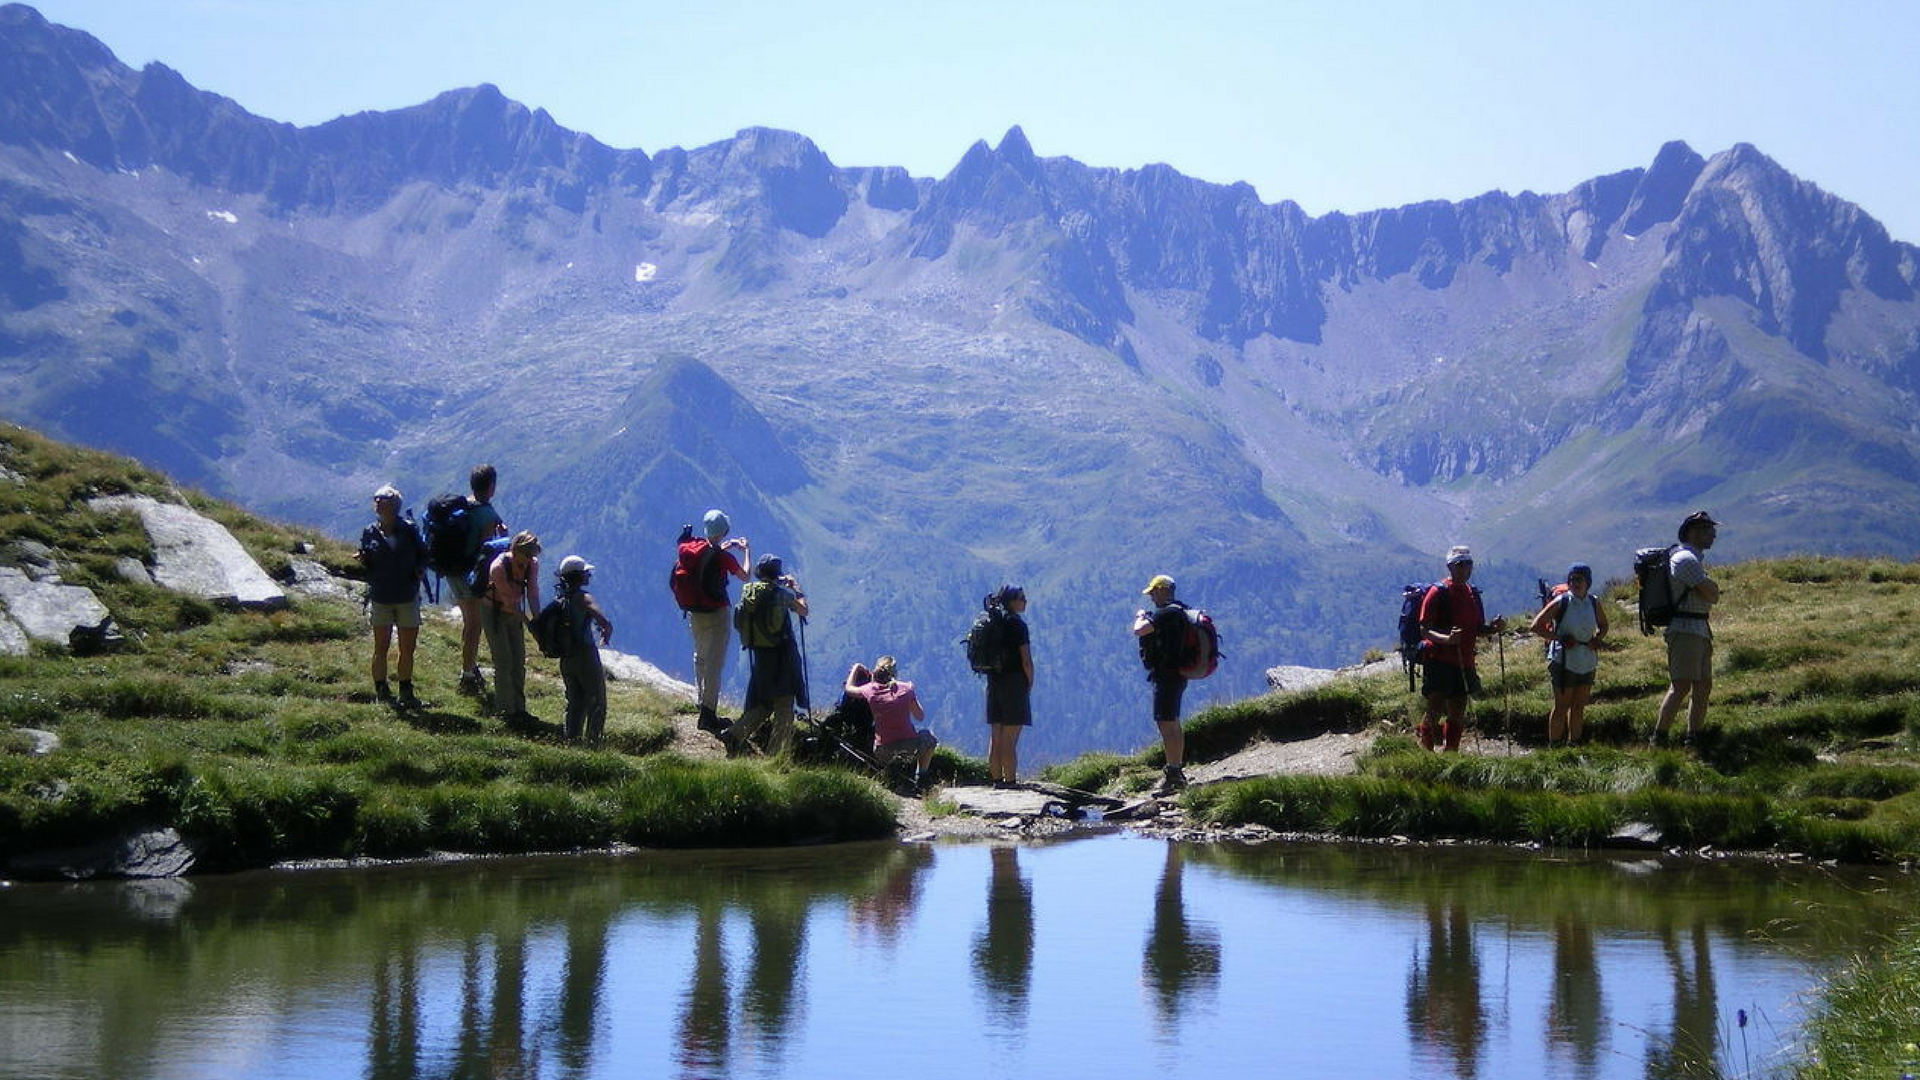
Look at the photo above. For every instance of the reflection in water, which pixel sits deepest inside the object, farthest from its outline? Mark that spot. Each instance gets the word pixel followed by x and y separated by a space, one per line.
pixel 716 965
pixel 1693 1039
pixel 706 1016
pixel 1180 957
pixel 1574 1012
pixel 1003 949
pixel 1443 988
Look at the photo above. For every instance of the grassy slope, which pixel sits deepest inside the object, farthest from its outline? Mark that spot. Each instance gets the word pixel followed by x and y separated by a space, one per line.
pixel 1811 748
pixel 258 733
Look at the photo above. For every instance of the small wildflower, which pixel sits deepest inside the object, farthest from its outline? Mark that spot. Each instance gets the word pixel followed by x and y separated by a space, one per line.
pixel 1742 1014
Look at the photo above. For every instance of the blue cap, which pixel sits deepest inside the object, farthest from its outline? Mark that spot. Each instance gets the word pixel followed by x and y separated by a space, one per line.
pixel 1580 569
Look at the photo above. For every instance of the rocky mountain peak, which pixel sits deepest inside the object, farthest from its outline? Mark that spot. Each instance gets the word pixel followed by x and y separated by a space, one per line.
pixel 1662 188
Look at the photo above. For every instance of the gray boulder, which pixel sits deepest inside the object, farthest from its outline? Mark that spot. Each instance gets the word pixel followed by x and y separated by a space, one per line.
pixel 625 667
pixel 47 610
pixel 132 571
pixel 1290 677
pixel 13 640
pixel 196 555
pixel 145 853
pixel 309 578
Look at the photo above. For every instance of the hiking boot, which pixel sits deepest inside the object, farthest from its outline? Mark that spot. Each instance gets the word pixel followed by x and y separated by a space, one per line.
pixel 710 722
pixel 1171 781
pixel 472 684
pixel 382 695
pixel 406 702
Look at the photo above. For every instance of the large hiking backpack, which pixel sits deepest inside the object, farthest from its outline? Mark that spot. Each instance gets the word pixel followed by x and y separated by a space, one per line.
pixel 477 574
pixel 759 619
pixel 1412 641
pixel 697 581
pixel 449 540
pixel 1200 652
pixel 1653 569
pixel 554 630
pixel 986 642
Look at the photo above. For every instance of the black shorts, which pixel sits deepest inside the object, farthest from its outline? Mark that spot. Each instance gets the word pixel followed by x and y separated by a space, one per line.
pixel 1008 700
pixel 1167 691
pixel 1448 681
pixel 1562 679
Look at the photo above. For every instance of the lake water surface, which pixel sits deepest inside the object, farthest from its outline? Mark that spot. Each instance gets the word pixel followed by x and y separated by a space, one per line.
pixel 1101 957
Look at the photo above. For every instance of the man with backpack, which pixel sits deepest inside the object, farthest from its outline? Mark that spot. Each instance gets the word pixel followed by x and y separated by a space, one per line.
pixel 1162 637
pixel 775 679
pixel 475 522
pixel 1451 620
pixel 699 584
pixel 1690 634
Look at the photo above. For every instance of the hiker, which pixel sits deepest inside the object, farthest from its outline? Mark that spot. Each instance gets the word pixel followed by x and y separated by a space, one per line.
pixel 1162 635
pixel 1451 619
pixel 483 524
pixel 774 680
pixel 1573 624
pixel 512 593
pixel 895 707
pixel 395 558
pixel 852 717
pixel 580 670
pixel 700 588
pixel 1009 685
pixel 1690 634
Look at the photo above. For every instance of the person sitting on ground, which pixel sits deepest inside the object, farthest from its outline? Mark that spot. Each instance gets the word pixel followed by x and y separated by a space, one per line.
pixel 852 718
pixel 483 524
pixel 895 707
pixel 396 561
pixel 1451 620
pixel 580 669
pixel 513 592
pixel 1690 634
pixel 1573 623
pixel 775 679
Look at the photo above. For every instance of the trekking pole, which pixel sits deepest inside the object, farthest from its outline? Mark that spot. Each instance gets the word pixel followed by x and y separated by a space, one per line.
pixel 1506 692
pixel 806 671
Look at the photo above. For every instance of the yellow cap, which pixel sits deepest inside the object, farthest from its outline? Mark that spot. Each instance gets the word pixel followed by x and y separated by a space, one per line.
pixel 1160 581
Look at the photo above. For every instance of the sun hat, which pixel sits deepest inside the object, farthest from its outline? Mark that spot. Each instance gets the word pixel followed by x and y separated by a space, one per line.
pixel 1459 553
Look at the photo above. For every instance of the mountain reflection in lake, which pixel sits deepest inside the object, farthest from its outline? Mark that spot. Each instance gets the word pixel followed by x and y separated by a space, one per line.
pixel 1111 957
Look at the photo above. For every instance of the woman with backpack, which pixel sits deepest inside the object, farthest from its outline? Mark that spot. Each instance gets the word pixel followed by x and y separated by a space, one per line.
pixel 580 668
pixel 395 559
pixel 1572 624
pixel 1009 685
pixel 512 592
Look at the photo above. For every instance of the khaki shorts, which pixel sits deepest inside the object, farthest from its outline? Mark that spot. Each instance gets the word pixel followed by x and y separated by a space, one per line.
pixel 899 748
pixel 1689 658
pixel 406 616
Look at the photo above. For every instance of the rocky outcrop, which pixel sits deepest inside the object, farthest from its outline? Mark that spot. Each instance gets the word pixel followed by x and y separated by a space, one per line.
pixel 1287 677
pixel 143 853
pixel 625 667
pixel 196 555
pixel 313 580
pixel 48 610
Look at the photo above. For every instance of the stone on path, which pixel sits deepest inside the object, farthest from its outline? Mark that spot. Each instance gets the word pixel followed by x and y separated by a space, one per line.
pixel 48 610
pixel 196 555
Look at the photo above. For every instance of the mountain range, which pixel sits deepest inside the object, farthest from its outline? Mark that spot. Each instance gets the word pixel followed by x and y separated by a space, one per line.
pixel 914 389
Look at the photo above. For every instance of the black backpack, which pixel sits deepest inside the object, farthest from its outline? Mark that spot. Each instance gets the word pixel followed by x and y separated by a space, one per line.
pixel 986 642
pixel 554 629
pixel 449 527
pixel 1411 639
pixel 1653 569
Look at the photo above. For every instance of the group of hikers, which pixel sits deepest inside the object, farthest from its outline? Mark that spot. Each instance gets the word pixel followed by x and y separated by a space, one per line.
pixel 1441 623
pixel 494 578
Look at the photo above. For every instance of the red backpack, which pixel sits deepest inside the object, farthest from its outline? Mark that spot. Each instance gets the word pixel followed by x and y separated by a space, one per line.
pixel 696 578
pixel 1201 650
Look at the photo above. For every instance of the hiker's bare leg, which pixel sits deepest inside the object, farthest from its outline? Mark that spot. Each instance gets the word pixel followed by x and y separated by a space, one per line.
pixel 409 637
pixel 469 634
pixel 1697 708
pixel 1677 692
pixel 1577 711
pixel 1557 718
pixel 382 640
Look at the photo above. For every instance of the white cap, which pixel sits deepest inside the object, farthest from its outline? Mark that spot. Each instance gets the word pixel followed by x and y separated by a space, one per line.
pixel 574 566
pixel 1459 553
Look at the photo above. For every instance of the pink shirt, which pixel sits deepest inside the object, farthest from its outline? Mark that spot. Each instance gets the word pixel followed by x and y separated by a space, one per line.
pixel 892 709
pixel 508 591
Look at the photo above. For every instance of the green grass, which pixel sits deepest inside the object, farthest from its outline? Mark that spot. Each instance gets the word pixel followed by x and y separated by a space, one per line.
pixel 256 734
pixel 1864 1024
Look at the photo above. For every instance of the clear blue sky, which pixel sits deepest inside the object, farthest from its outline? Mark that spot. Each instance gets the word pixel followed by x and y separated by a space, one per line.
pixel 1337 106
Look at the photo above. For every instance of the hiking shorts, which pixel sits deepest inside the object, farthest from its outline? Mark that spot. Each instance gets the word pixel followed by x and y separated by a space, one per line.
pixel 1689 657
pixel 1167 692
pixel 405 616
pixel 899 748
pixel 1448 680
pixel 1562 679
pixel 1008 700
pixel 457 589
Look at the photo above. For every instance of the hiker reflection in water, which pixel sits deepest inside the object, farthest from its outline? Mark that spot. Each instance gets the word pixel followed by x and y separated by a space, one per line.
pixel 1693 1039
pixel 580 990
pixel 1003 950
pixel 887 909
pixel 1443 989
pixel 706 1019
pixel 1573 1015
pixel 1180 956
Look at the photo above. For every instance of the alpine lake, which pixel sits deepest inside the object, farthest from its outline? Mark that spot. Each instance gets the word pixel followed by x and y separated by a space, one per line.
pixel 1102 956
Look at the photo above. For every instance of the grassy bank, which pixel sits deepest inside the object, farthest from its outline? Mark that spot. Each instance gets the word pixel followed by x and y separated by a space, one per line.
pixel 1811 745
pixel 257 734
pixel 1864 1024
